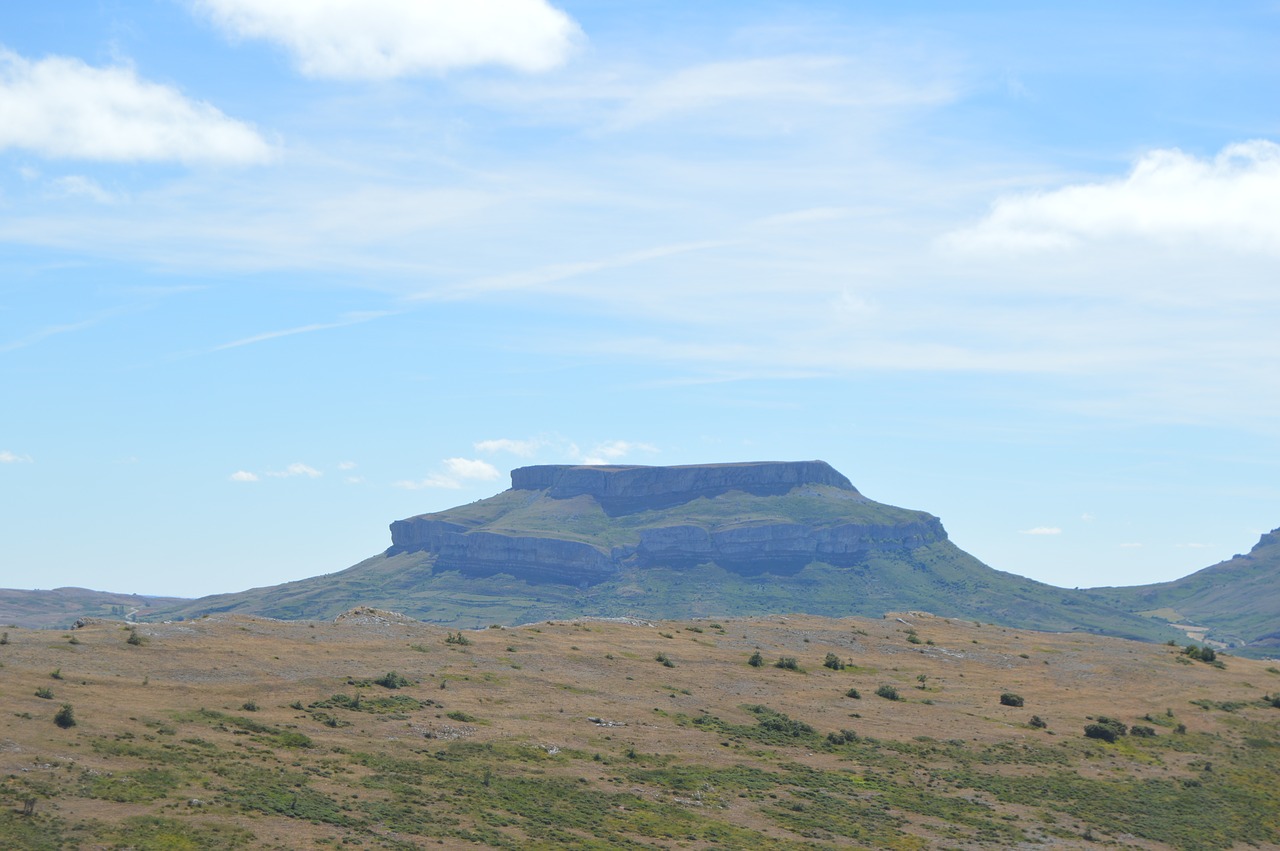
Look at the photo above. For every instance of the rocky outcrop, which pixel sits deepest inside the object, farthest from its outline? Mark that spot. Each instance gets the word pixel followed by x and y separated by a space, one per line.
pixel 779 548
pixel 489 542
pixel 628 489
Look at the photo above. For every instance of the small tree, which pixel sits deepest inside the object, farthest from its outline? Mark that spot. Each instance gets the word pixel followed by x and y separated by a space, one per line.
pixel 787 663
pixel 134 638
pixel 756 660
pixel 833 662
pixel 65 717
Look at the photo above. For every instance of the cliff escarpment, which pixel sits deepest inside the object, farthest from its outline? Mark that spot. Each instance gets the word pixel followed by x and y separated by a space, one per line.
pixel 583 524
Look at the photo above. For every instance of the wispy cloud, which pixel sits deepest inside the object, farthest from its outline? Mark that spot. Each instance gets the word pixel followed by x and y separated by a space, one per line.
pixel 382 39
pixel 7 457
pixel 354 319
pixel 523 448
pixel 60 107
pixel 612 451
pixel 1042 530
pixel 296 469
pixel 243 476
pixel 541 277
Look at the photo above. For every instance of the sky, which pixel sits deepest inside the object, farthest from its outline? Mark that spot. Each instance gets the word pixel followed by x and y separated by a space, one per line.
pixel 273 275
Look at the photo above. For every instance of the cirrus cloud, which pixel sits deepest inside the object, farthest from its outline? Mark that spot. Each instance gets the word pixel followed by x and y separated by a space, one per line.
pixel 383 39
pixel 62 108
pixel 7 457
pixel 1042 530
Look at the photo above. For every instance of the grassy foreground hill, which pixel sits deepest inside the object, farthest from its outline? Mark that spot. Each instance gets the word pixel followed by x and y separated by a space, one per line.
pixel 671 542
pixel 1237 600
pixel 377 731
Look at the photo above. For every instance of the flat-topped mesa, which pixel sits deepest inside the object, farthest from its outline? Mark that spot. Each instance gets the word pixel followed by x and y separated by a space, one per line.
pixel 623 489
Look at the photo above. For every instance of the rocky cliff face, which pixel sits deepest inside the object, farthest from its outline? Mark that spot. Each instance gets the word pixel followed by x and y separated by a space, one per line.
pixel 626 489
pixel 580 525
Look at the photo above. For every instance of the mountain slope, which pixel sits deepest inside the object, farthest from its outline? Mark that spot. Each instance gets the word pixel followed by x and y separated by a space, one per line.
pixel 664 542
pixel 60 607
pixel 1237 599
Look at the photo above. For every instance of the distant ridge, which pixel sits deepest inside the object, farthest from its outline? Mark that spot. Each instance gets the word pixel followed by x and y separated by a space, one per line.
pixel 1237 599
pixel 665 542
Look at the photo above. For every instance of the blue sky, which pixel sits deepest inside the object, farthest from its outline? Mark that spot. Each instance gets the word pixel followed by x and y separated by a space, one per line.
pixel 274 275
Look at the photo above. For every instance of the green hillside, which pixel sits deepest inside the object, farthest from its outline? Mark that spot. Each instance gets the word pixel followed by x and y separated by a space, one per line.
pixel 1238 599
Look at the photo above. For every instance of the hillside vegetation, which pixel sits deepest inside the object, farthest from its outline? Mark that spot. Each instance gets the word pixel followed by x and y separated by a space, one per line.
pixel 912 731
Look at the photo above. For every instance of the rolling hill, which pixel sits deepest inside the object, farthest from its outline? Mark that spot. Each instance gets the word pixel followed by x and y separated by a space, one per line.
pixel 1238 600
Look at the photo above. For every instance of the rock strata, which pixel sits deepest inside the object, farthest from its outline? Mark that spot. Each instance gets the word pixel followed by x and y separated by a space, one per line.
pixel 594 521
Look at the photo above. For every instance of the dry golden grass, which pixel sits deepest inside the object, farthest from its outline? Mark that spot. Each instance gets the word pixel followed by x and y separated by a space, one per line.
pixel 538 687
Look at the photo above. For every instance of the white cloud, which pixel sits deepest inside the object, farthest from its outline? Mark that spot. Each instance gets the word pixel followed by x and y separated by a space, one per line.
pixel 59 107
pixel 243 476
pixel 1132 545
pixel 467 468
pixel 347 465
pixel 1042 530
pixel 831 81
pixel 1232 199
pixel 612 451
pixel 7 457
pixel 456 472
pixel 383 39
pixel 435 480
pixel 523 448
pixel 75 185
pixel 296 469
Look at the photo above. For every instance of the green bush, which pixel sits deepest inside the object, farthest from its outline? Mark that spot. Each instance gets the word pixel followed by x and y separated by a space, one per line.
pixel 134 639
pixel 1010 699
pixel 844 737
pixel 787 663
pixel 1106 729
pixel 1038 722
pixel 888 693
pixel 666 662
pixel 457 638
pixel 1204 654
pixel 854 693
pixel 65 717
pixel 1142 732
pixel 249 706
pixel 833 662
pixel 756 660
pixel 392 680
pixel 45 692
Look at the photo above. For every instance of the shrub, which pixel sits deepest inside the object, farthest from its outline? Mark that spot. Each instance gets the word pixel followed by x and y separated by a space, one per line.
pixel 844 737
pixel 888 693
pixel 833 662
pixel 1010 699
pixel 4 638
pixel 1106 729
pixel 1142 732
pixel 666 662
pixel 46 693
pixel 854 693
pixel 134 639
pixel 756 660
pixel 457 638
pixel 459 715
pixel 56 674
pixel 1204 654
pixel 65 717
pixel 392 680
pixel 1038 722
pixel 249 706
pixel 787 663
